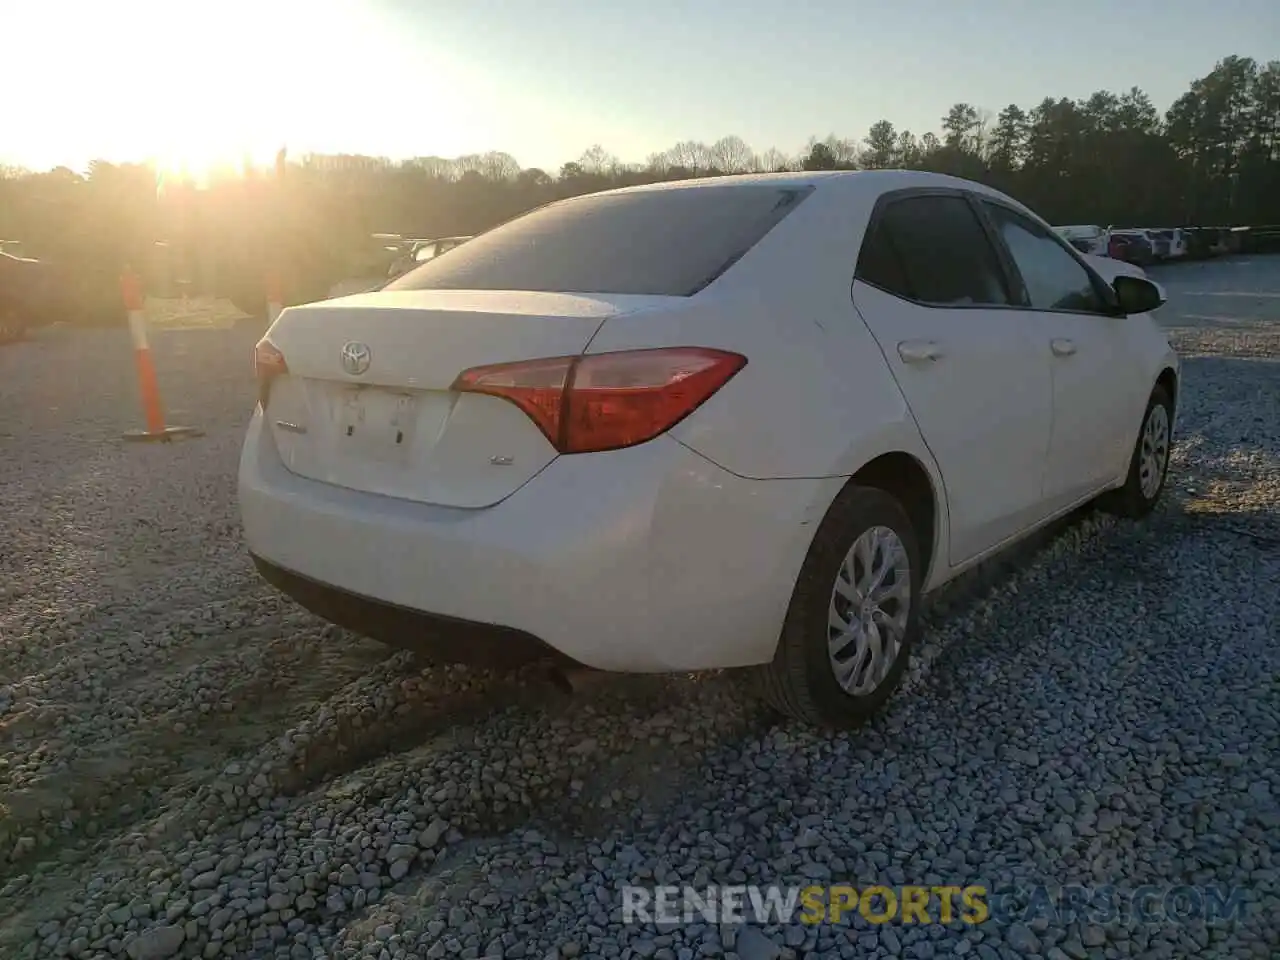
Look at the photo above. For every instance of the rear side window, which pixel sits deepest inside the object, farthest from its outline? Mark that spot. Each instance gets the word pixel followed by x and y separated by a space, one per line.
pixel 653 242
pixel 932 249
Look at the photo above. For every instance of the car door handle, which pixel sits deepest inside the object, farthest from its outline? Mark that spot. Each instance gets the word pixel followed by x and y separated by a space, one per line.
pixel 919 351
pixel 1063 348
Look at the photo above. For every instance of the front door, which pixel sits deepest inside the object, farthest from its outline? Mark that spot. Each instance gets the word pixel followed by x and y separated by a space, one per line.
pixel 1098 392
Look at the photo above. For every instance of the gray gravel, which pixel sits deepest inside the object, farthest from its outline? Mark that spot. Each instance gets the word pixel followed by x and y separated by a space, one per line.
pixel 192 767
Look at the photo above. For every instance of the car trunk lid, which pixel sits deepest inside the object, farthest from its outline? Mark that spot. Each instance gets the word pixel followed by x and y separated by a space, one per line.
pixel 366 403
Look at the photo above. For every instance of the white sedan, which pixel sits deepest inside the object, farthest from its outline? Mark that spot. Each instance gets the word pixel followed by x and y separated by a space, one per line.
pixel 735 422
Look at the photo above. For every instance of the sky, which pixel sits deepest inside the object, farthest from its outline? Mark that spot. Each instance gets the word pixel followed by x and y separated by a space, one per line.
pixel 198 82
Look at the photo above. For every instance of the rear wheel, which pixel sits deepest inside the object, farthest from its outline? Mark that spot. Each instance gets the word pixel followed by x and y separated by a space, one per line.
pixel 1149 464
pixel 853 616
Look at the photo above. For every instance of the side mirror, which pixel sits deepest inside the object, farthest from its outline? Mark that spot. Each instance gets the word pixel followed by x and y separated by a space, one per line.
pixel 1137 294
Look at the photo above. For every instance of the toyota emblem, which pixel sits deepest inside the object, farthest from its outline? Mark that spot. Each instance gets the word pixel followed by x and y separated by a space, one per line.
pixel 355 357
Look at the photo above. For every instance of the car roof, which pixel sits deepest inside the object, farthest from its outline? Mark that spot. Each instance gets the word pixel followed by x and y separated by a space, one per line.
pixel 864 182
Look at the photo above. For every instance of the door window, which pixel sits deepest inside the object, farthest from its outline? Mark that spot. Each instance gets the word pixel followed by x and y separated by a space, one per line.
pixel 932 249
pixel 1055 280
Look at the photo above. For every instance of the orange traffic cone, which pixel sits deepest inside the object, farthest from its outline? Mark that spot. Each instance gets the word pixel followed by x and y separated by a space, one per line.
pixel 148 386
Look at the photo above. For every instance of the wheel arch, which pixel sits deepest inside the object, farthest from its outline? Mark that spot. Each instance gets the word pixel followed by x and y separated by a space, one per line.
pixel 911 476
pixel 905 477
pixel 1168 379
pixel 790 679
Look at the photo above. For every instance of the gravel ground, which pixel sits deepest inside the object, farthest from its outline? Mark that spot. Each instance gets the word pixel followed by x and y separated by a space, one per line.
pixel 191 766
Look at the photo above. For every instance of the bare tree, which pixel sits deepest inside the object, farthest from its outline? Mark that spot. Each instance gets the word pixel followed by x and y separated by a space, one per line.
pixel 468 163
pixel 732 155
pixel 979 139
pixel 498 166
pixel 438 168
pixel 774 160
pixel 596 159
pixel 693 156
pixel 659 163
pixel 844 150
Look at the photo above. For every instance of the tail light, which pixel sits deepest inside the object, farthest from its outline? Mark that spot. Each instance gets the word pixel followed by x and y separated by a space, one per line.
pixel 268 363
pixel 607 401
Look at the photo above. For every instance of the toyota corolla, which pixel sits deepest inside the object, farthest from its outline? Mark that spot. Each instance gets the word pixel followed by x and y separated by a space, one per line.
pixel 737 422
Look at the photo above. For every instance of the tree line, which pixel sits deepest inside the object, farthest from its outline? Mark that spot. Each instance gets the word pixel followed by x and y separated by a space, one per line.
pixel 1212 158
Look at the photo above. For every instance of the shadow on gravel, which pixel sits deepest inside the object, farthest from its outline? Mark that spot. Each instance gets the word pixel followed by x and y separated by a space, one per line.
pixel 350 743
pixel 642 767
pixel 1259 527
pixel 120 781
pixel 960 595
pixel 602 777
pixel 640 772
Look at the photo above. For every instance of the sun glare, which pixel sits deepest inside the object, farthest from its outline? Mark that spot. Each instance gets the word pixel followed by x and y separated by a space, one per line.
pixel 199 89
pixel 201 162
pixel 193 88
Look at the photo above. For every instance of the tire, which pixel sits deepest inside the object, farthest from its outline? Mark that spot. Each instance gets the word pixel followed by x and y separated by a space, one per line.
pixel 801 680
pixel 1139 496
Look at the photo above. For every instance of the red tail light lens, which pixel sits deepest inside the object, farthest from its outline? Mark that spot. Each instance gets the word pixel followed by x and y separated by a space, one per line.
pixel 536 386
pixel 620 399
pixel 268 363
pixel 608 400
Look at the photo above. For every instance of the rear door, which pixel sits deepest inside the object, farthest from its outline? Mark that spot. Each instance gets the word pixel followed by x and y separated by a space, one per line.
pixel 935 296
pixel 1099 394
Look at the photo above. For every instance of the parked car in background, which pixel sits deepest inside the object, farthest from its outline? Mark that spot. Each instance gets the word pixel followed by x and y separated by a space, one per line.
pixel 421 252
pixel 1131 246
pixel 756 448
pixel 1205 242
pixel 369 264
pixel 1199 242
pixel 1090 239
pixel 1169 244
pixel 1181 245
pixel 433 248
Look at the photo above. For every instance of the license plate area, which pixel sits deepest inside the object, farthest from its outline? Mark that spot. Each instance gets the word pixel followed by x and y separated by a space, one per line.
pixel 378 424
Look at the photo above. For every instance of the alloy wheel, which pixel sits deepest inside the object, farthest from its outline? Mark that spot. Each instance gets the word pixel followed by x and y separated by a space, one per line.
pixel 870 604
pixel 1154 455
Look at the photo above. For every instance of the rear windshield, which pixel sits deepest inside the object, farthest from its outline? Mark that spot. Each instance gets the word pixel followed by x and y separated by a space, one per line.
pixel 652 242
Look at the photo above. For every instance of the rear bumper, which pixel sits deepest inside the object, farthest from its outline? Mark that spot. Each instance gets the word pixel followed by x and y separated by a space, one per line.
pixel 447 639
pixel 648 559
